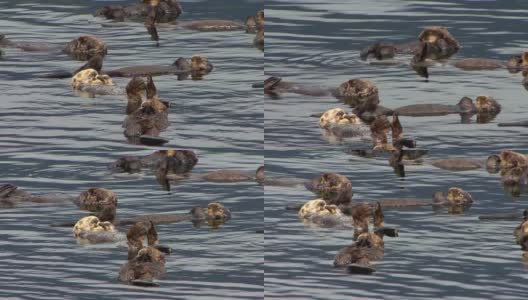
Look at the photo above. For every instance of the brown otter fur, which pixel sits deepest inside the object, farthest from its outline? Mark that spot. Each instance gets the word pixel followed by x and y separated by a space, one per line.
pixel 144 263
pixel 334 188
pixel 369 246
pixel 96 199
pixel 150 118
pixel 166 11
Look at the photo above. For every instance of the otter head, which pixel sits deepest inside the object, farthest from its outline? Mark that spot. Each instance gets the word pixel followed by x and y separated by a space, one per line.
pixel 318 207
pixel 458 197
pixel 97 199
pixel 379 50
pixel 91 224
pixel 493 163
pixel 357 88
pixel 127 164
pixel 332 187
pixel 337 116
pixel 487 104
pixel 90 77
pixel 438 35
pixel 510 159
pixel 85 47
pixel 378 130
pixel 216 211
pixel 251 23
pixel 135 91
pixel 260 176
pixel 199 63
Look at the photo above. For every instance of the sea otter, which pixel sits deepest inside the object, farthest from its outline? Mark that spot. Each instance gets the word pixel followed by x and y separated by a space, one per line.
pixel 440 44
pixel 146 117
pixel 182 161
pixel 319 212
pixel 521 232
pixel 89 83
pixel 337 122
pixel 334 188
pixel 369 246
pixel 166 11
pixel 81 48
pixel 196 67
pixel 145 264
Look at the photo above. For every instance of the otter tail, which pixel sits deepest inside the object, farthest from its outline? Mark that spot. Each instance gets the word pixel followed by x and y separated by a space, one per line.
pixel 360 269
pixel 514 124
pixel 56 75
pixel 150 140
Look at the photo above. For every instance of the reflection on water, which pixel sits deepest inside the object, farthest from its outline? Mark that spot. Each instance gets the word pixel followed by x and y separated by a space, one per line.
pixel 437 254
pixel 54 141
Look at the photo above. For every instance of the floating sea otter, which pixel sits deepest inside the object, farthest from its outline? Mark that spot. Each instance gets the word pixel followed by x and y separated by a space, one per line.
pixel 439 43
pixel 145 264
pixel 196 67
pixel 146 117
pixel 81 48
pixel 369 246
pixel 166 11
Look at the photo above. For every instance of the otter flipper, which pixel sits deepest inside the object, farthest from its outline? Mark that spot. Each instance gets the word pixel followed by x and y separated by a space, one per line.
pixel 152 140
pixel 360 269
pixel 66 224
pixel 164 249
pixel 57 75
pixel 388 231
pixel 144 283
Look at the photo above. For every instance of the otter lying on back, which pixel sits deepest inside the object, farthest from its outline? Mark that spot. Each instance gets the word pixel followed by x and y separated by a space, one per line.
pixel 81 48
pixel 440 44
pixel 166 11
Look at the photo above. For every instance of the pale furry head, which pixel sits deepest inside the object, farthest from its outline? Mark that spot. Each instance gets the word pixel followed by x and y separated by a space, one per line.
pixel 90 77
pixel 318 207
pixel 199 62
pixel 337 116
pixel 91 224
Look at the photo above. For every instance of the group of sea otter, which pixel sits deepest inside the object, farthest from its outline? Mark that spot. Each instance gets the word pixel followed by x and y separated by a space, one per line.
pixel 147 116
pixel 369 122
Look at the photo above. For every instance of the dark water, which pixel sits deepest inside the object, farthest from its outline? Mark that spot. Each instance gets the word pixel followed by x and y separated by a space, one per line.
pixel 437 255
pixel 54 141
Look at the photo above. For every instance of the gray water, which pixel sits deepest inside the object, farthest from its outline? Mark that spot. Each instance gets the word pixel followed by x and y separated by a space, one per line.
pixel 437 255
pixel 52 141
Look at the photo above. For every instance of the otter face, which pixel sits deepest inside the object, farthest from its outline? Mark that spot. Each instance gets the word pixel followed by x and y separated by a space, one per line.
pixel 338 116
pixel 509 159
pixel 90 77
pixel 199 63
pixel 150 255
pixel 86 46
pixel 438 35
pixel 318 207
pixel 487 104
pixel 91 224
pixel 359 88
pixel 216 211
pixel 458 197
pixel 97 198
